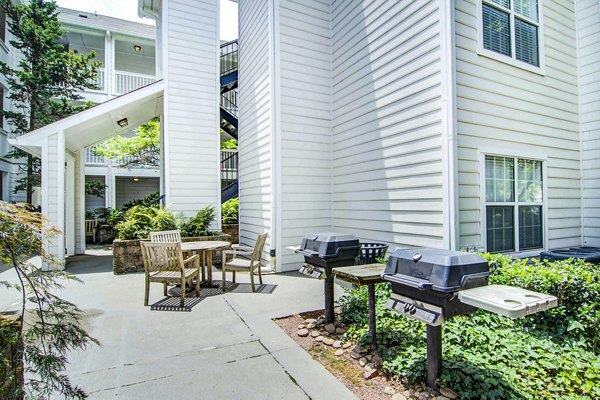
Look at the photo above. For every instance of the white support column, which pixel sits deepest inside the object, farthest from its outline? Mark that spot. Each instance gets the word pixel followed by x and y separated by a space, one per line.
pixel 53 195
pixel 80 202
pixel 69 205
pixel 109 63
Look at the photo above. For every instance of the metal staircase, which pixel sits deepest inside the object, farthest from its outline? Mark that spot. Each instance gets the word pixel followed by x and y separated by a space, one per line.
pixel 229 117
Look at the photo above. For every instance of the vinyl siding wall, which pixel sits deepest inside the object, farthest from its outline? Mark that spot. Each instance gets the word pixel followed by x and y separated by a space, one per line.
pixel 255 122
pixel 508 110
pixel 588 37
pixel 387 178
pixel 191 102
pixel 305 99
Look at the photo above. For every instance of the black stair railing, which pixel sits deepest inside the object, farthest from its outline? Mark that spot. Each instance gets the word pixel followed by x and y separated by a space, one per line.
pixel 229 168
pixel 229 57
pixel 229 102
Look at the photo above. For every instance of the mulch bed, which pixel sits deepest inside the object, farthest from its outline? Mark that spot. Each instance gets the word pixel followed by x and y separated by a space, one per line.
pixel 357 368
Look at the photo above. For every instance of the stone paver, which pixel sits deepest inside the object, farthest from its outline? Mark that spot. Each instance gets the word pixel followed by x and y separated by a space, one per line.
pixel 221 346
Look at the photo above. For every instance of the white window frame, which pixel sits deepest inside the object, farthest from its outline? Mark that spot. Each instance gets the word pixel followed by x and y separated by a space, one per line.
pixel 483 201
pixel 512 60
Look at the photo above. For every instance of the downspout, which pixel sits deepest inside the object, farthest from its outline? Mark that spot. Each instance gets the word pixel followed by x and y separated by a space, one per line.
pixel 449 125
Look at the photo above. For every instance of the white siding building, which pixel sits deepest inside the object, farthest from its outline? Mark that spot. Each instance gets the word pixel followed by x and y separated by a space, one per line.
pixel 454 124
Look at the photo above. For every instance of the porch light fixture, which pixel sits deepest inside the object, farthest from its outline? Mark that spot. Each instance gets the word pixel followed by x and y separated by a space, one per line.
pixel 136 179
pixel 123 122
pixel 137 48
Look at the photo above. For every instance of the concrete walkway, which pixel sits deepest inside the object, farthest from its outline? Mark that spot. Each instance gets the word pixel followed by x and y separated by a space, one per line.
pixel 221 346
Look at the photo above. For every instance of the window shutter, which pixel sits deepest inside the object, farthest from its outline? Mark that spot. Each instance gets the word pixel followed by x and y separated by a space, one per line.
pixel 496 30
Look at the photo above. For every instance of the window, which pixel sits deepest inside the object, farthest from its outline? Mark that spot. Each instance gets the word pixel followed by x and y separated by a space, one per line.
pixel 514 204
pixel 512 28
pixel 2 25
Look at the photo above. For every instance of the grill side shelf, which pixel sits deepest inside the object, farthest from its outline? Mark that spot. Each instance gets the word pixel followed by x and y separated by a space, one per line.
pixel 509 301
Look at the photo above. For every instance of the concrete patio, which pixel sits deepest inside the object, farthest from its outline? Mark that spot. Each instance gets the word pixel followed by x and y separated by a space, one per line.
pixel 220 346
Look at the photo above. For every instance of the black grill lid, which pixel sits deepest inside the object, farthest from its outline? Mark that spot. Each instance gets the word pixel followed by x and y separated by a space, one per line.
pixel 436 269
pixel 329 245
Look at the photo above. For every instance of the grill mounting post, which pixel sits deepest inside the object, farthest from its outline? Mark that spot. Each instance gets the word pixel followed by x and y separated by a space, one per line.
pixel 434 355
pixel 328 286
pixel 372 320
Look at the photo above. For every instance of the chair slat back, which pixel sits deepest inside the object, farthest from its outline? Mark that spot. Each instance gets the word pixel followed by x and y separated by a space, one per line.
pixel 165 237
pixel 90 224
pixel 258 248
pixel 162 256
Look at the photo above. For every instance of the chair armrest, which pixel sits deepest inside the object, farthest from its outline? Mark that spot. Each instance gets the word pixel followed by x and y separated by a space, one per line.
pixel 240 247
pixel 192 258
pixel 236 252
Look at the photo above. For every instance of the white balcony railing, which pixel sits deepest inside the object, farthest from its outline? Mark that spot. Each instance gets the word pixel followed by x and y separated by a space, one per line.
pixel 93 159
pixel 126 82
pixel 100 81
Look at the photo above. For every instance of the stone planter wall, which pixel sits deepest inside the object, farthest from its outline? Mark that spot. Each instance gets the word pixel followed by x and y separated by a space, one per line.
pixel 11 373
pixel 127 254
pixel 233 230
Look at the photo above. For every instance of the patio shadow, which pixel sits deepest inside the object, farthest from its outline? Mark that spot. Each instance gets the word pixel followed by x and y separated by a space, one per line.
pixel 172 304
pixel 89 264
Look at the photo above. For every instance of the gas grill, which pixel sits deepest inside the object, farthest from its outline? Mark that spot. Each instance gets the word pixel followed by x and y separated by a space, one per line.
pixel 433 285
pixel 324 251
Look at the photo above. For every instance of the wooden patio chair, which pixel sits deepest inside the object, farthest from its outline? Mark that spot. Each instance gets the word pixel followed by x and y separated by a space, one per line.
pixel 91 228
pixel 165 237
pixel 249 264
pixel 164 263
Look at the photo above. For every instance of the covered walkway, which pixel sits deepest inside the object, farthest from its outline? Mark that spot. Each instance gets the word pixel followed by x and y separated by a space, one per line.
pixel 61 146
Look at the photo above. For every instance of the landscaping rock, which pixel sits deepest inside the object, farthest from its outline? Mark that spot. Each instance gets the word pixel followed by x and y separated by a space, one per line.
pixel 369 366
pixel 339 352
pixel 389 391
pixel 369 357
pixel 377 360
pixel 319 339
pixel 340 331
pixel 360 350
pixel 355 355
pixel 325 333
pixel 423 396
pixel 399 396
pixel 328 341
pixel 321 321
pixel 301 326
pixel 337 345
pixel 330 328
pixel 303 332
pixel 371 374
pixel 449 393
pixel 346 345
pixel 315 334
pixel 311 325
pixel 362 362
pixel 310 320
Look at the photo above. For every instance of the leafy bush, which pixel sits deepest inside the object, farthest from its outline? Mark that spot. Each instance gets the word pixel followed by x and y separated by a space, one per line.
pixel 198 225
pixel 229 144
pixel 546 356
pixel 152 198
pixel 140 221
pixel 106 216
pixel 229 211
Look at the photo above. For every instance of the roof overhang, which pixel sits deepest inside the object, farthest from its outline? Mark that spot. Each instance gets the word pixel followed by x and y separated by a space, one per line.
pixel 99 123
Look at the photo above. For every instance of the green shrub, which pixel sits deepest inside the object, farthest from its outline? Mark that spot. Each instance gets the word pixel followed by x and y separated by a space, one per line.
pixel 139 221
pixel 551 355
pixel 229 211
pixel 142 202
pixel 198 225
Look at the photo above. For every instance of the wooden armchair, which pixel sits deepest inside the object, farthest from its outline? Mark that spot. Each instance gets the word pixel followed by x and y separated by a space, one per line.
pixel 165 237
pixel 164 263
pixel 91 228
pixel 249 264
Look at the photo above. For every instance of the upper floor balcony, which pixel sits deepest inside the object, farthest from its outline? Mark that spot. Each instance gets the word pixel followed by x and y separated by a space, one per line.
pixel 127 62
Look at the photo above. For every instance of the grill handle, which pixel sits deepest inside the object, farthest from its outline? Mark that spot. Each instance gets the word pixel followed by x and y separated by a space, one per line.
pixel 416 283
pixel 308 253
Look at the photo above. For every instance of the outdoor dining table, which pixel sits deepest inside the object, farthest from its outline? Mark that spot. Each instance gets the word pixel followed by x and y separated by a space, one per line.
pixel 205 250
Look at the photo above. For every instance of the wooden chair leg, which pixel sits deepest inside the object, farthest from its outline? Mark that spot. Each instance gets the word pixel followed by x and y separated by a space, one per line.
pixel 259 275
pixel 147 291
pixel 252 280
pixel 233 279
pixel 223 277
pixel 165 287
pixel 198 285
pixel 182 302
